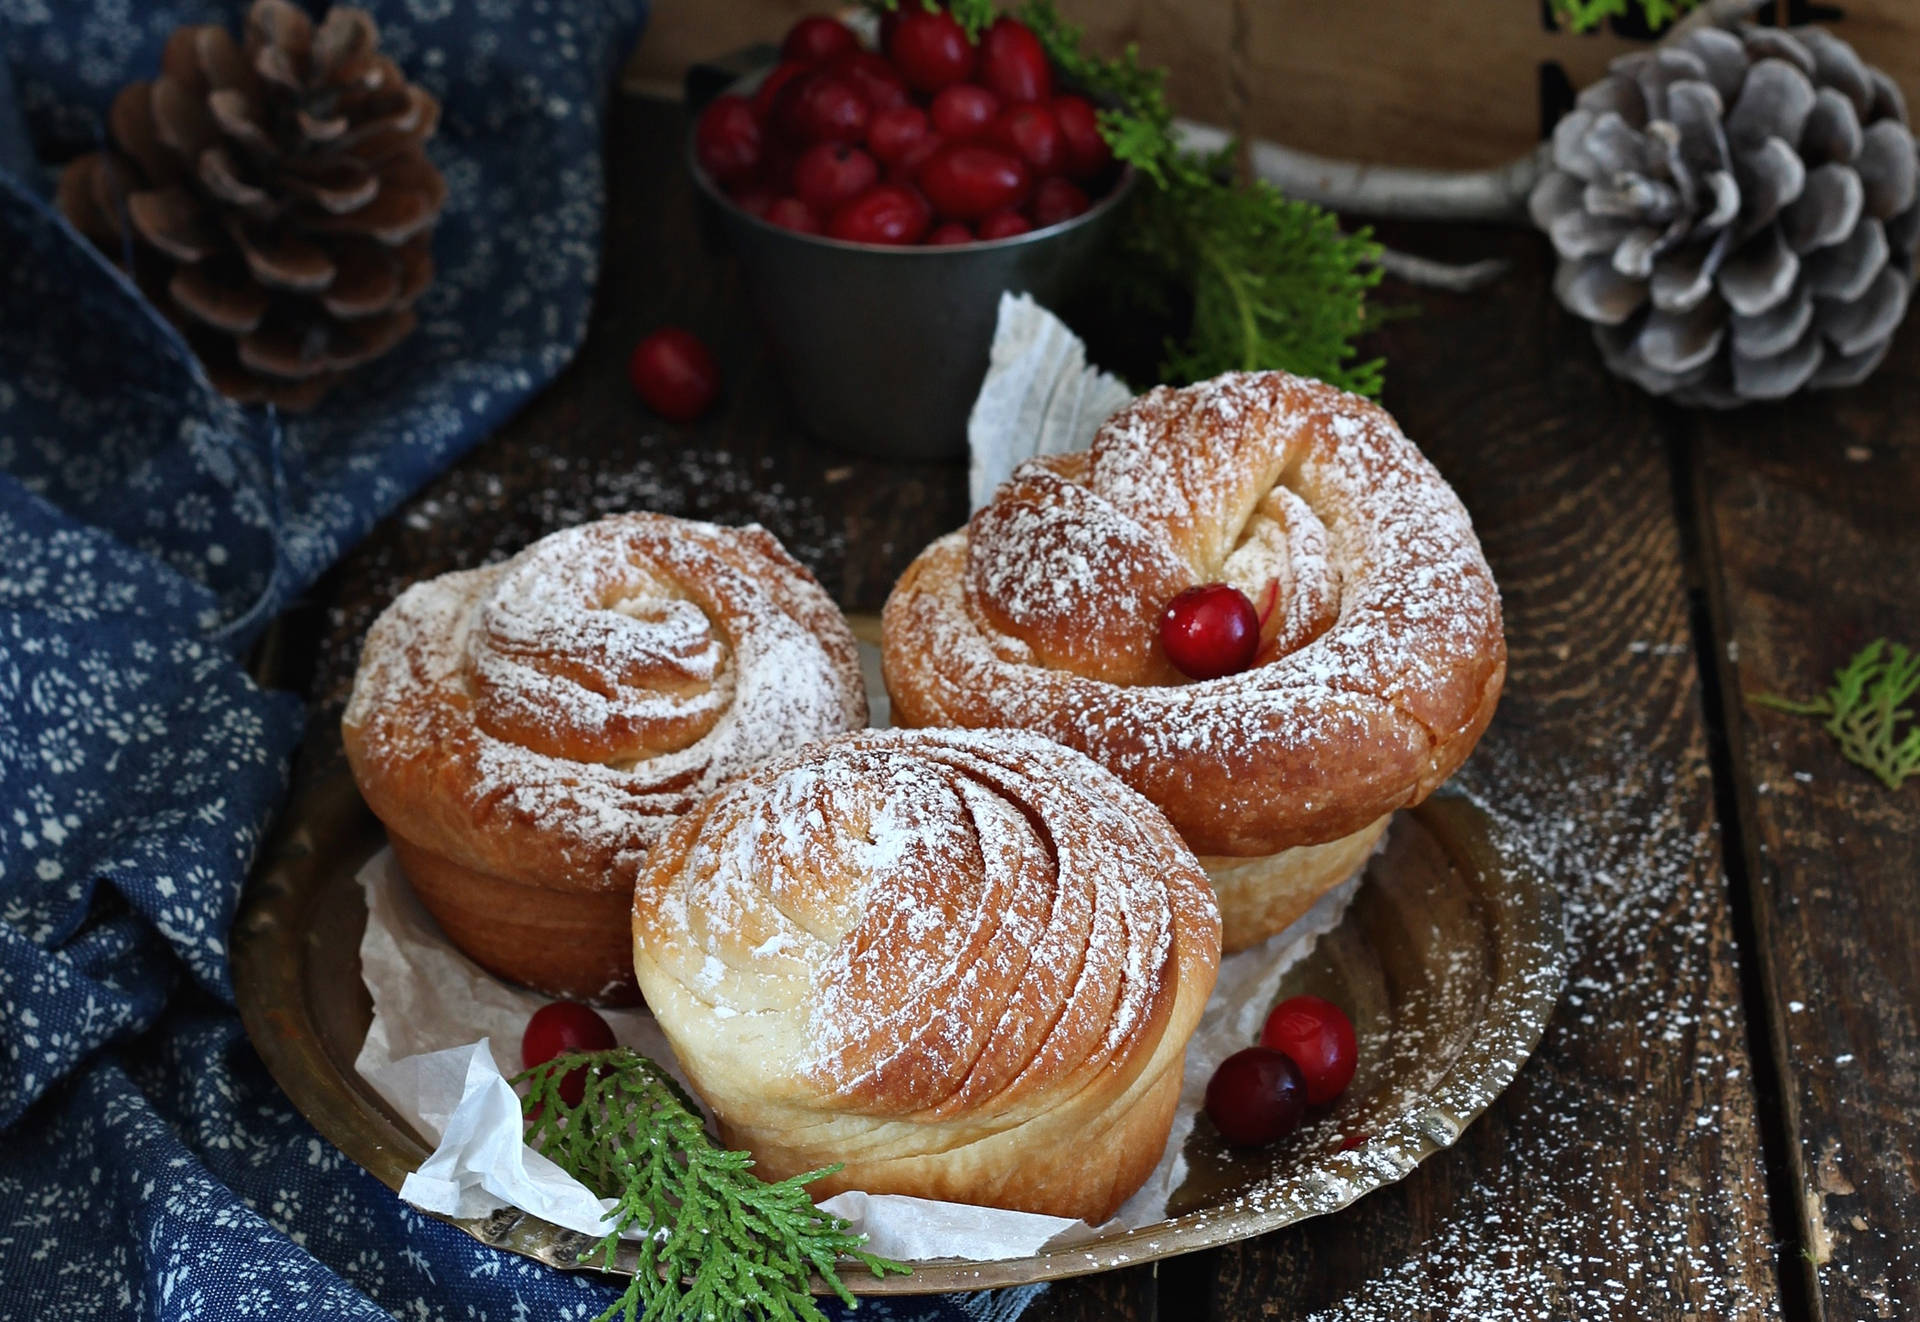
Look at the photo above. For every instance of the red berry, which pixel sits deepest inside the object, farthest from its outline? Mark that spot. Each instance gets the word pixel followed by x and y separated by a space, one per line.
pixel 827 109
pixel 906 170
pixel 1031 133
pixel 727 140
pixel 894 132
pixel 558 1028
pixel 1004 225
pixel 1087 152
pixel 829 173
pixel 1057 199
pixel 1210 631
pixel 1318 1038
pixel 930 49
pixel 816 39
pixel 963 110
pixel 886 214
pixel 770 87
pixel 965 182
pixel 674 373
pixel 1255 1097
pixel 1013 63
pixel 878 82
pixel 949 232
pixel 790 213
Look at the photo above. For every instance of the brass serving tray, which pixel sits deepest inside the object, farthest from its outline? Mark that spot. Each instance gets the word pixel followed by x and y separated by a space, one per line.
pixel 1450 960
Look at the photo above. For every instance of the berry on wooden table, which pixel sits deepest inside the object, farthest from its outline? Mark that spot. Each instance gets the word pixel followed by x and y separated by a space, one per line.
pixel 674 373
pixel 1255 1097
pixel 560 1027
pixel 1318 1037
pixel 1210 631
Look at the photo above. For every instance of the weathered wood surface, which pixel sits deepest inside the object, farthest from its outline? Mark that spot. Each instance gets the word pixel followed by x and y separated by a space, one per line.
pixel 1625 1174
pixel 1811 528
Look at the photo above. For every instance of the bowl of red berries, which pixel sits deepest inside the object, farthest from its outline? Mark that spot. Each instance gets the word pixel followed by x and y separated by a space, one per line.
pixel 881 198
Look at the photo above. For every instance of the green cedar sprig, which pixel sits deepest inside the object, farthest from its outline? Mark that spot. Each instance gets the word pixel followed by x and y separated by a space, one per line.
pixel 1583 15
pixel 1864 711
pixel 725 1245
pixel 1271 282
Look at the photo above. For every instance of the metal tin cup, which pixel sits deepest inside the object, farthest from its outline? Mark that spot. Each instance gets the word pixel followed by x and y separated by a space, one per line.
pixel 883 348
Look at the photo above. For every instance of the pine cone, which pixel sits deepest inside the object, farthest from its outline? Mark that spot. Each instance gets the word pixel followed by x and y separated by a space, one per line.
pixel 273 198
pixel 1737 213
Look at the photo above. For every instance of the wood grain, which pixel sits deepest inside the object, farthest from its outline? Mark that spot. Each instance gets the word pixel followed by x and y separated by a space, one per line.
pixel 1808 510
pixel 1622 1174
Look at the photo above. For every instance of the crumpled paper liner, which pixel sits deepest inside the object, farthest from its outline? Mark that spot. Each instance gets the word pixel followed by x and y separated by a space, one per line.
pixel 446 1034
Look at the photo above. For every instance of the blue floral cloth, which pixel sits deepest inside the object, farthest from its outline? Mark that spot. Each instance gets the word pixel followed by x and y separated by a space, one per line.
pixel 148 531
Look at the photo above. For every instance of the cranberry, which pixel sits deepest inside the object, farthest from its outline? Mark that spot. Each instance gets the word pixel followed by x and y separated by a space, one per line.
pixel 906 170
pixel 1087 152
pixel 1255 1097
pixel 1004 225
pixel 1057 199
pixel 963 111
pixel 965 182
pixel 765 95
pixel 1013 63
pixel 727 140
pixel 816 39
pixel 1033 134
pixel 949 232
pixel 888 213
pixel 930 49
pixel 876 80
pixel 829 173
pixel 1210 631
pixel 790 213
pixel 674 373
pixel 558 1028
pixel 1318 1038
pixel 827 109
pixel 894 132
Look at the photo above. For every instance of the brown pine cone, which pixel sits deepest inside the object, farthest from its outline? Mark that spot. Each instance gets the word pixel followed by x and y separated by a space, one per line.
pixel 276 195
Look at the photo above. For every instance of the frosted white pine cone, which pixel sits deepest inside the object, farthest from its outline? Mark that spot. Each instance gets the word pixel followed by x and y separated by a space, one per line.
pixel 1737 214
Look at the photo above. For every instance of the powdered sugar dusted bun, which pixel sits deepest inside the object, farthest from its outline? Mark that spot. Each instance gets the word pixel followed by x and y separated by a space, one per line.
pixel 1383 655
pixel 965 963
pixel 529 730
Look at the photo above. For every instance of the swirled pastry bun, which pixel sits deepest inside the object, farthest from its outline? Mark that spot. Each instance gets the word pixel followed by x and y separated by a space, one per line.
pixel 966 964
pixel 1382 654
pixel 529 730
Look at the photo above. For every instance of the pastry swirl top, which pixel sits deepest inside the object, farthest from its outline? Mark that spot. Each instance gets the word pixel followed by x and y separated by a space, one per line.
pixel 1382 651
pixel 546 718
pixel 936 925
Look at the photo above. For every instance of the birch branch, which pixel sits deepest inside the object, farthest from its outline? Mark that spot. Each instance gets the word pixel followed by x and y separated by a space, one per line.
pixel 1409 193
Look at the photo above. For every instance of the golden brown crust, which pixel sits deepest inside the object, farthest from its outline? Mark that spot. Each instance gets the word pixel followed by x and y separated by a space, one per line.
pixel 964 963
pixel 1384 654
pixel 533 727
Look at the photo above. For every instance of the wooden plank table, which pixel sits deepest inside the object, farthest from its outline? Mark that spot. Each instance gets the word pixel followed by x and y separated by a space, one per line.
pixel 1718 1122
